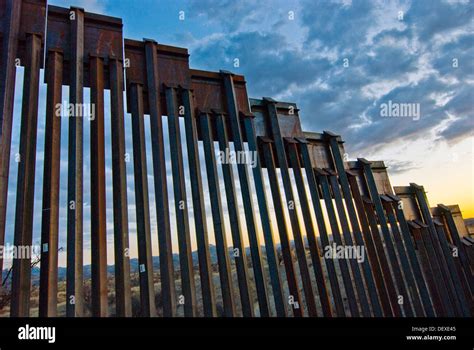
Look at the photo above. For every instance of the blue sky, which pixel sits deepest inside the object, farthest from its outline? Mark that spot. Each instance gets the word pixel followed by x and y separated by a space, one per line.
pixel 295 51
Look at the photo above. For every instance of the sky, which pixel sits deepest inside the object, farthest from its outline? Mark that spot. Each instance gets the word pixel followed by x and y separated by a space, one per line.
pixel 339 61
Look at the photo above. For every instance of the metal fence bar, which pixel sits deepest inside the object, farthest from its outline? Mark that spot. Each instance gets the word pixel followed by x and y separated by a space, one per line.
pixel 454 234
pixel 294 297
pixel 462 288
pixel 234 123
pixel 429 274
pixel 145 267
pixel 232 206
pixel 48 297
pixel 381 289
pixel 98 206
pixel 310 234
pixel 205 268
pixel 454 287
pixel 291 204
pixel 225 273
pixel 356 231
pixel 323 234
pixel 272 257
pixel 7 91
pixel 415 297
pixel 21 270
pixel 159 170
pixel 357 276
pixel 434 262
pixel 336 235
pixel 415 265
pixel 123 301
pixel 390 248
pixel 383 260
pixel 74 279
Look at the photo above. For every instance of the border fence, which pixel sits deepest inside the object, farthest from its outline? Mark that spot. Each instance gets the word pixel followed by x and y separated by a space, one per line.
pixel 300 197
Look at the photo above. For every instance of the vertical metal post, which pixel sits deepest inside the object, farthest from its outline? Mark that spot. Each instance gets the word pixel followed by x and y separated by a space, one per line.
pixel 145 267
pixel 357 276
pixel 236 231
pixel 310 234
pixel 392 256
pixel 336 235
pixel 266 145
pixel 297 236
pixel 323 234
pixel 427 268
pixel 98 205
pixel 383 259
pixel 254 240
pixel 217 218
pixel 7 90
pixel 123 301
pixel 418 274
pixel 356 231
pixel 415 297
pixel 448 216
pixel 74 278
pixel 381 289
pixel 443 254
pixel 199 215
pixel 161 191
pixel 181 207
pixel 272 258
pixel 21 272
pixel 461 285
pixel 48 298
pixel 436 268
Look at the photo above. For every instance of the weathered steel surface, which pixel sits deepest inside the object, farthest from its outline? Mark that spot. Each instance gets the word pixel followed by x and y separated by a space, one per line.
pixel 443 284
pixel 274 127
pixel 17 19
pixel 438 304
pixel 217 218
pixel 123 300
pixel 382 256
pixel 310 234
pixel 369 244
pixel 272 258
pixel 322 229
pixel 98 205
pixel 232 103
pixel 294 297
pixel 159 170
pixel 99 36
pixel 461 285
pixel 235 225
pixel 396 267
pixel 147 290
pixel 402 255
pixel 349 205
pixel 74 279
pixel 357 276
pixel 205 268
pixel 48 297
pixel 336 236
pixel 443 254
pixel 21 271
pixel 414 262
pixel 453 233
